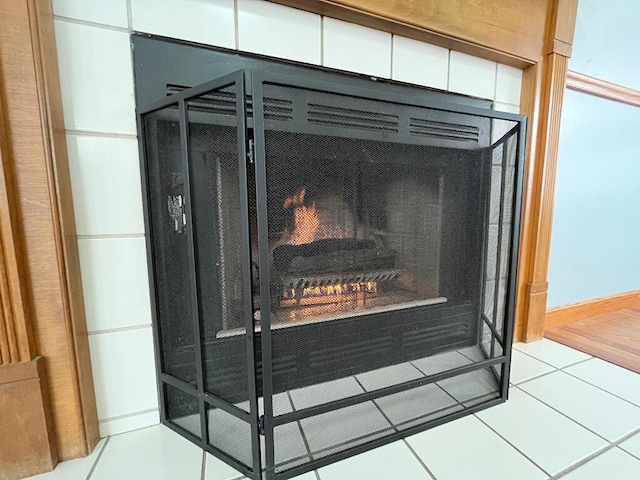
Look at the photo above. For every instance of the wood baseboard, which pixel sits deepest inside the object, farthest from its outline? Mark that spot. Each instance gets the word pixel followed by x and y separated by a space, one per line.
pixel 27 442
pixel 574 312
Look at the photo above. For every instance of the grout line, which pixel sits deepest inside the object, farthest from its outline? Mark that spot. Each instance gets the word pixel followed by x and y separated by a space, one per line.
pixel 236 23
pixel 424 465
pixel 536 358
pixel 108 236
pixel 87 23
pixel 577 363
pixel 95 464
pixel 322 40
pixel 204 465
pixel 129 16
pixel 129 415
pixel 495 85
pixel 563 414
pixel 448 69
pixel 116 330
pixel 600 452
pixel 600 388
pixel 304 437
pixel 511 444
pixel 91 133
pixel 391 57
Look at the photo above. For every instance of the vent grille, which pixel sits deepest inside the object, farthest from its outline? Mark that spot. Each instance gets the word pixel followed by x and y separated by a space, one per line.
pixel 353 118
pixel 224 104
pixel 447 131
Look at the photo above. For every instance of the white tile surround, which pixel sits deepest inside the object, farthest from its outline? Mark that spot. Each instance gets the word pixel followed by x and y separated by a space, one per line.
pixel 97 89
pixel 564 422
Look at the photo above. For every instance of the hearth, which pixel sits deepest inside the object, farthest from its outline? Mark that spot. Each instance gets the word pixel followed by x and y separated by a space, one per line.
pixel 332 257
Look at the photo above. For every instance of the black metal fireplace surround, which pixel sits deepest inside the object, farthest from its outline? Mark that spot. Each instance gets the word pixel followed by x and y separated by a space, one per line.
pixel 332 256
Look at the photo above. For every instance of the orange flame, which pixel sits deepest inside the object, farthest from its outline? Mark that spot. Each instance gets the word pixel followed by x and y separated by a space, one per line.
pixel 305 219
pixel 334 290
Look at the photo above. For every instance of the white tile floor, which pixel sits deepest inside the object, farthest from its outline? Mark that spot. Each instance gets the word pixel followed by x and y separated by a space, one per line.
pixel 569 416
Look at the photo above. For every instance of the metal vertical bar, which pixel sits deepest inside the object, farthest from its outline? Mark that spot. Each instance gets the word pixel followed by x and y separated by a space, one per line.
pixel 496 286
pixel 146 202
pixel 265 288
pixel 193 263
pixel 241 124
pixel 509 323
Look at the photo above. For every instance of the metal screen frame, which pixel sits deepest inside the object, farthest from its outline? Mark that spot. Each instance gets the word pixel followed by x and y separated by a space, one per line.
pixel 237 80
pixel 268 421
pixel 264 425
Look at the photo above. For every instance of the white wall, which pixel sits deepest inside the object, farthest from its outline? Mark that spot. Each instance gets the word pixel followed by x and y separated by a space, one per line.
pixel 96 73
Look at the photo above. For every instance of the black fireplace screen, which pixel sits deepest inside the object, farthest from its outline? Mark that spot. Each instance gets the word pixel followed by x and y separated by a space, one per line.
pixel 333 265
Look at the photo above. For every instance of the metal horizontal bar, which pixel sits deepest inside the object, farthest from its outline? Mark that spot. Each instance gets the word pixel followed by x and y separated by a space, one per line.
pixel 496 335
pixel 192 92
pixel 359 92
pixel 383 392
pixel 321 462
pixel 207 397
pixel 227 407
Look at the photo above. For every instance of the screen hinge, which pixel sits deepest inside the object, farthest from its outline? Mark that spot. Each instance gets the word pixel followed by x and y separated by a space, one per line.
pixel 250 154
pixel 261 425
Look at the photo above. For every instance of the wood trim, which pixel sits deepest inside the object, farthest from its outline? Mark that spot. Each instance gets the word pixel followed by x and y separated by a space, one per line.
pixel 589 308
pixel 600 88
pixel 39 269
pixel 27 440
pixel 435 22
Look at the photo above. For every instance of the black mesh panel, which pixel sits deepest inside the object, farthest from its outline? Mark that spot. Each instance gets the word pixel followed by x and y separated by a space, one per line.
pixel 183 409
pixel 167 197
pixel 215 188
pixel 230 435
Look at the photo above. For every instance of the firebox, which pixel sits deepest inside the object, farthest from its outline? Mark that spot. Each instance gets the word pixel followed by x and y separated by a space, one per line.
pixel 333 257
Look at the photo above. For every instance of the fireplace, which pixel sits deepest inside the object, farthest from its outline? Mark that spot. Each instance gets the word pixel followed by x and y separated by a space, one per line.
pixel 333 257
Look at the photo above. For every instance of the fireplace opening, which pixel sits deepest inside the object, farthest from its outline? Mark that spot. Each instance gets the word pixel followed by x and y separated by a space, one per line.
pixel 332 259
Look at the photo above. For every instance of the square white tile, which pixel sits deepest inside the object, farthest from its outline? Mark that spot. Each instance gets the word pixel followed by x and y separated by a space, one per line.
pixel 325 392
pixel 387 376
pixel 508 84
pixel 599 411
pixel 110 12
pixel 506 107
pixel 154 453
pixel 612 464
pixel 549 439
pixel 355 48
pixel 617 380
pixel 394 460
pixel 420 63
pixel 550 352
pixel 279 31
pixel 96 78
pixel 632 445
pixel 124 374
pixel 210 22
pixel 467 449
pixel 471 75
pixel 115 282
pixel 524 367
pixel 77 469
pixel 218 470
pixel 105 179
pixel 129 423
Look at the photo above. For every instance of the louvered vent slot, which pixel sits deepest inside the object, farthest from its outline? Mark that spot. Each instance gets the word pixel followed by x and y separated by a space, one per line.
pixel 278 109
pixel 443 130
pixel 225 104
pixel 352 118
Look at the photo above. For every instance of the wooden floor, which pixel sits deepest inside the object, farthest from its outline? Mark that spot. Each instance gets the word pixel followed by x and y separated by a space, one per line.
pixel 614 337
